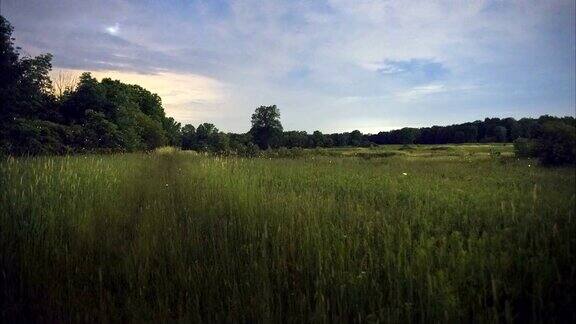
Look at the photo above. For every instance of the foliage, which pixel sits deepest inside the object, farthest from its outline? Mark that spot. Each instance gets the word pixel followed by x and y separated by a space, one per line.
pixel 524 147
pixel 553 142
pixel 188 137
pixel 207 138
pixel 488 131
pixel 266 128
pixel 91 116
pixel 556 143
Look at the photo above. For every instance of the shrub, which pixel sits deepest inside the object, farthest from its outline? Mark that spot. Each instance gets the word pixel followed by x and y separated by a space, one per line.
pixel 524 147
pixel 252 150
pixel 556 143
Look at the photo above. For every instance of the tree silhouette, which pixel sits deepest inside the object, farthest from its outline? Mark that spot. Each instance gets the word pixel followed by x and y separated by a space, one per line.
pixel 266 128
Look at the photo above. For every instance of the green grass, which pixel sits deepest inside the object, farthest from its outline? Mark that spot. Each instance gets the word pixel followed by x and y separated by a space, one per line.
pixel 419 151
pixel 324 238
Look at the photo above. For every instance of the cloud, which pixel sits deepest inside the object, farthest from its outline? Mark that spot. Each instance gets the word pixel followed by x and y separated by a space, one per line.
pixel 419 92
pixel 334 60
pixel 428 68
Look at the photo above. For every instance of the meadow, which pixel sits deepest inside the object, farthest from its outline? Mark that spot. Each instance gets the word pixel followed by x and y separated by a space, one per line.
pixel 463 233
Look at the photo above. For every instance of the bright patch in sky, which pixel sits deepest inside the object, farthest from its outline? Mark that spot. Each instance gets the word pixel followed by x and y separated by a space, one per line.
pixel 113 30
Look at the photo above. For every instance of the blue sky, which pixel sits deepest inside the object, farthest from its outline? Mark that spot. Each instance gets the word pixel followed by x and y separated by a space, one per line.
pixel 334 65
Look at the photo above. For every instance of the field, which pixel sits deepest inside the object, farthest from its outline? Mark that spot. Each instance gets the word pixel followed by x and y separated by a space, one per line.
pixel 391 234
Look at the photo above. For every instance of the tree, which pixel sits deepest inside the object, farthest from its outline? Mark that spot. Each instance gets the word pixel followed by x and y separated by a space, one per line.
pixel 100 133
pixel 408 135
pixel 266 127
pixel 204 136
pixel 556 143
pixel 38 116
pixel 459 137
pixel 173 131
pixel 188 137
pixel 355 138
pixel 471 133
pixel 500 134
pixel 512 128
pixel 341 139
pixel 295 139
pixel 151 132
pixel 64 83
pixel 318 139
pixel 25 97
pixel 88 95
pixel 524 147
pixel 219 143
pixel 34 89
pixel 9 70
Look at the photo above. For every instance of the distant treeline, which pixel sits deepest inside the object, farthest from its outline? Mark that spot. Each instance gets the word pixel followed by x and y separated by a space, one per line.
pixel 491 130
pixel 39 116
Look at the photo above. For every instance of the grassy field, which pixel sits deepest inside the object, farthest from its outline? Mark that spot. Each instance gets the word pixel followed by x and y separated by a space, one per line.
pixel 427 234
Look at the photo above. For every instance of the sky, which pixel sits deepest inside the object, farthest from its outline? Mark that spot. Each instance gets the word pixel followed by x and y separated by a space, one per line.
pixel 329 65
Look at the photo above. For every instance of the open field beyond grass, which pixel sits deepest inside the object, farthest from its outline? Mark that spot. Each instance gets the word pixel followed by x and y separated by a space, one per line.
pixel 469 235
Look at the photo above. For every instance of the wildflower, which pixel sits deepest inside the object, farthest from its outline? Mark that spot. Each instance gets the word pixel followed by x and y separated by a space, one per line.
pixel 404 173
pixel 528 165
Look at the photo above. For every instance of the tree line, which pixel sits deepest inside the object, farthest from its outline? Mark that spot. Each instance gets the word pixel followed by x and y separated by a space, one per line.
pixel 39 116
pixel 490 130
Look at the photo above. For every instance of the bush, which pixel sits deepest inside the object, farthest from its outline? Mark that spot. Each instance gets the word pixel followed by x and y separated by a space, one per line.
pixel 33 137
pixel 524 147
pixel 252 150
pixel 556 143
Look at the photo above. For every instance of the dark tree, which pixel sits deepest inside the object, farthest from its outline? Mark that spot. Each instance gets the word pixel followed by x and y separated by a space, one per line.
pixel 205 136
pixel 173 131
pixel 188 137
pixel 556 143
pixel 355 138
pixel 295 139
pixel 266 127
pixel 318 139
pixel 500 134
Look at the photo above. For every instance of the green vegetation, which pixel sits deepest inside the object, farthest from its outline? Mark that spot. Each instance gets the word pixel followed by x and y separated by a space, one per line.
pixel 425 234
pixel 554 143
pixel 266 128
pixel 90 116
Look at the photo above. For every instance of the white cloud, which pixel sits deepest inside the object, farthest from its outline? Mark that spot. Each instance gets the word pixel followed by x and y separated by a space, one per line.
pixel 419 92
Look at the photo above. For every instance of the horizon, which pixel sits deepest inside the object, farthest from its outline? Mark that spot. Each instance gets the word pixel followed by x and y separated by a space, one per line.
pixel 399 64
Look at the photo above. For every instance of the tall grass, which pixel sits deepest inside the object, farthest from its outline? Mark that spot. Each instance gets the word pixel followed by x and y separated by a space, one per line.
pixel 324 239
